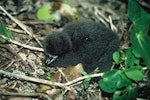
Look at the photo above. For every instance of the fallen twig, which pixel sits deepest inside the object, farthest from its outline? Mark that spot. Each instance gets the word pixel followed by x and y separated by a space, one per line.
pixel 16 30
pixel 101 17
pixel 112 26
pixel 62 85
pixel 20 44
pixel 83 77
pixel 32 79
pixel 23 26
pixel 17 21
pixel 26 95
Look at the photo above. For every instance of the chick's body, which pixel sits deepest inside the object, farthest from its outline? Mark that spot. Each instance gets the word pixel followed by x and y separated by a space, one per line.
pixel 89 43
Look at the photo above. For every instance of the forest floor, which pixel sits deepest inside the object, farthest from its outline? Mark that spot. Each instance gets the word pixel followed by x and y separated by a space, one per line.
pixel 23 74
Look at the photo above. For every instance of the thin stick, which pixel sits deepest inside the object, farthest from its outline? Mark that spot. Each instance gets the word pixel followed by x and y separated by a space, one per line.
pixel 26 95
pixel 23 26
pixel 97 13
pixel 17 21
pixel 16 30
pixel 62 85
pixel 20 44
pixel 112 25
pixel 83 77
pixel 32 79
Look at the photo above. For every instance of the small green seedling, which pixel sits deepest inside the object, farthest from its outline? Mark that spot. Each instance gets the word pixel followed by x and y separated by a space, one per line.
pixel 5 32
pixel 49 75
pixel 87 80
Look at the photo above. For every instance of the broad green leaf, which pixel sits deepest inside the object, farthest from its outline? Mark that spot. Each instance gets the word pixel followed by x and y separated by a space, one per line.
pixel 113 80
pixel 44 13
pixel 135 73
pixel 136 13
pixel 5 32
pixel 140 46
pixel 128 93
pixel 139 34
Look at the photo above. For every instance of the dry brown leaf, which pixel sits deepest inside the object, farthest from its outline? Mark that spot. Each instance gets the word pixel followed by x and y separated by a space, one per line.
pixel 71 72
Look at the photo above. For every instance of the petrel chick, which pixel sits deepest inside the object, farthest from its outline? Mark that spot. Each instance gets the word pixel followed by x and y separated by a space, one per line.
pixel 87 42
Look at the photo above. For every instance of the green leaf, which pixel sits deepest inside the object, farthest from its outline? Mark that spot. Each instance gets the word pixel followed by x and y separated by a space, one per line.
pixel 5 32
pixel 84 73
pixel 96 70
pixel 44 13
pixel 87 80
pixel 140 46
pixel 113 80
pixel 136 13
pixel 135 73
pixel 49 75
pixel 116 57
pixel 131 60
pixel 128 93
pixel 139 34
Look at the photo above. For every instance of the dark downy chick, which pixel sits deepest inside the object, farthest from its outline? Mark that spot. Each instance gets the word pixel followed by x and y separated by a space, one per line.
pixel 88 42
